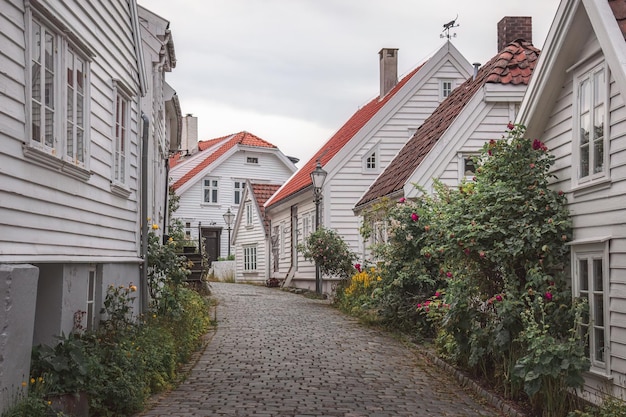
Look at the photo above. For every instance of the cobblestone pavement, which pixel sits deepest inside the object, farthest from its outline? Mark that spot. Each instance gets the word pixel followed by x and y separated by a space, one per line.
pixel 279 354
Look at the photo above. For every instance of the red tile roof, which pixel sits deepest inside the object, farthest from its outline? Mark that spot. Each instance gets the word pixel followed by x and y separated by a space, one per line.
pixel 241 138
pixel 619 11
pixel 262 192
pixel 302 178
pixel 513 65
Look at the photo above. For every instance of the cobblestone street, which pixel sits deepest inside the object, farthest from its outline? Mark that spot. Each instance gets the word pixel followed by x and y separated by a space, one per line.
pixel 279 354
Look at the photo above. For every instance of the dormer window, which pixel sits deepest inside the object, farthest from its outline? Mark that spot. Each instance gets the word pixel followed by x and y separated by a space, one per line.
pixel 252 160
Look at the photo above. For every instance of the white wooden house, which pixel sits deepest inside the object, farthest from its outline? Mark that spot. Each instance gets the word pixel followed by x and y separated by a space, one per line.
pixel 476 112
pixel 251 234
pixel 575 105
pixel 211 181
pixel 355 155
pixel 162 105
pixel 72 78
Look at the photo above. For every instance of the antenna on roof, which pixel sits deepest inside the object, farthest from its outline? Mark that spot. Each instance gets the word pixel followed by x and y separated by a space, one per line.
pixel 446 28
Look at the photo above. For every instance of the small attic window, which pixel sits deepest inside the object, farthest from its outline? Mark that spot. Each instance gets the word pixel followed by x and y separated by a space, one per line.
pixel 371 161
pixel 467 167
pixel 445 88
pixel 252 160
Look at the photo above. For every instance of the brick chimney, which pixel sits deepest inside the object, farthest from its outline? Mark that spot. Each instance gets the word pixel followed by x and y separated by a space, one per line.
pixel 511 28
pixel 388 70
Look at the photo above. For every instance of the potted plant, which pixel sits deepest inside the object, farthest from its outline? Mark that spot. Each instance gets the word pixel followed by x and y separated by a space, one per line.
pixel 65 369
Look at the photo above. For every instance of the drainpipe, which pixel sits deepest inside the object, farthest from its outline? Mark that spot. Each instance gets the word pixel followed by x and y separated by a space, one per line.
pixel 166 214
pixel 143 304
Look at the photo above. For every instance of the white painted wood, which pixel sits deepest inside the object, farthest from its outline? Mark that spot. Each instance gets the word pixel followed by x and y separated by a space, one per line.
pixel 581 35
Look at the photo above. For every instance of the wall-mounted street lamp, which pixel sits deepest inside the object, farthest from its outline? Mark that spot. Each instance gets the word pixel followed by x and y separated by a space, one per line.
pixel 318 176
pixel 229 216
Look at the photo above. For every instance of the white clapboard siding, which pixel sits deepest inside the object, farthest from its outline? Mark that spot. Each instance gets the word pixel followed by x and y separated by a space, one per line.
pixel 251 235
pixel 346 186
pixel 233 168
pixel 46 213
pixel 597 213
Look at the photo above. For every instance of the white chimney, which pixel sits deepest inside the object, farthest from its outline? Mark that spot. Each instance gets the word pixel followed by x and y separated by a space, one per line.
pixel 388 70
pixel 189 134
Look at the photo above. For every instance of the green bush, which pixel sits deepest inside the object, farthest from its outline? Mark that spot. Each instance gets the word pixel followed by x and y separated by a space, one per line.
pixel 330 252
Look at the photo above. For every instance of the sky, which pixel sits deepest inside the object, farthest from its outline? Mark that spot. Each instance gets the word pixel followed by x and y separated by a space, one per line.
pixel 293 71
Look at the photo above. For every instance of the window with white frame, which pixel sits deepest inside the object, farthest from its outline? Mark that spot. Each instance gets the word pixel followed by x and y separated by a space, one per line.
pixel 249 213
pixel 58 91
pixel 252 160
pixel 238 191
pixel 91 299
pixel 445 88
pixel 306 226
pixel 210 190
pixel 370 160
pixel 249 259
pixel 590 272
pixel 592 142
pixel 120 153
pixel 467 167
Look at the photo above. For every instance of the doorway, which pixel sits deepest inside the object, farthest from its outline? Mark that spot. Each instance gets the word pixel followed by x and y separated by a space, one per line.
pixel 211 241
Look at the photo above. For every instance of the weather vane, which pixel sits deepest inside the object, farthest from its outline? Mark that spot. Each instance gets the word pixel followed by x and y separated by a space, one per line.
pixel 446 28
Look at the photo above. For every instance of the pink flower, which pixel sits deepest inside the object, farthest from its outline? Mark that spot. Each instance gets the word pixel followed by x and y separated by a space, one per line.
pixel 548 296
pixel 437 294
pixel 402 200
pixel 510 126
pixel 449 274
pixel 427 303
pixel 357 267
pixel 419 305
pixel 414 217
pixel 498 297
pixel 467 251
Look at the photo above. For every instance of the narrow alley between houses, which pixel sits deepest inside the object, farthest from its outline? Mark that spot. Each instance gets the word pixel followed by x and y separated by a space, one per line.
pixel 275 353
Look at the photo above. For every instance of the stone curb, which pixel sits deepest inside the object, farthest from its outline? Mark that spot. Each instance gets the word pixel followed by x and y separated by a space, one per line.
pixel 465 381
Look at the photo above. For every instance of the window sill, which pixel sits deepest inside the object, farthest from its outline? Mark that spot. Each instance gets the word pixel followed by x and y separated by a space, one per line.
pixel 120 190
pixel 599 374
pixel 47 160
pixel 591 187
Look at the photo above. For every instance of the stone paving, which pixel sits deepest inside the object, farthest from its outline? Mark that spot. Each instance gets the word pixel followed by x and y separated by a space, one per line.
pixel 280 354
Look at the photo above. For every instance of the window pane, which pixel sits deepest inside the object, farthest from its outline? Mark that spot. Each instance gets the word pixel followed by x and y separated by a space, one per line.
pixel 584 96
pixel 36 82
pixel 49 46
pixel 585 125
pixel 598 122
pixel 36 42
pixel 49 138
pixel 583 273
pixel 584 160
pixel 598 155
pixel 213 196
pixel 599 344
pixel 599 87
pixel 598 310
pixel 80 150
pixel 36 122
pixel 207 196
pixel 597 275
pixel 80 71
pixel 70 142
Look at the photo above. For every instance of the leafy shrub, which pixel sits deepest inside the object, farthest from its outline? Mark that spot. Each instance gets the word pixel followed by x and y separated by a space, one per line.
pixel 330 252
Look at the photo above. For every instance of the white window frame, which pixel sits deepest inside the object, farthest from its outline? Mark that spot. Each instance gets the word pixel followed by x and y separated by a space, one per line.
pixel 252 160
pixel 50 146
pixel 121 134
pixel 462 164
pixel 250 258
pixel 90 307
pixel 212 188
pixel 238 187
pixel 371 161
pixel 249 214
pixel 586 74
pixel 446 86
pixel 590 252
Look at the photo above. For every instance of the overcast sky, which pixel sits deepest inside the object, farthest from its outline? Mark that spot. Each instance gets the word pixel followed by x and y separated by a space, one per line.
pixel 293 71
